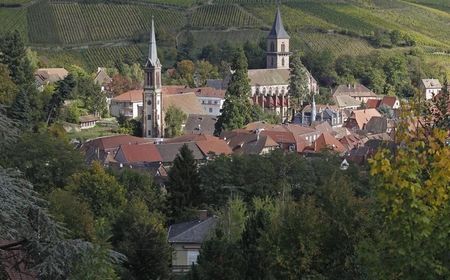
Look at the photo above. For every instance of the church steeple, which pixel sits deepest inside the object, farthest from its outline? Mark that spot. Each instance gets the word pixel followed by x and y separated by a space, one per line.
pixel 152 50
pixel 152 103
pixel 278 44
pixel 278 31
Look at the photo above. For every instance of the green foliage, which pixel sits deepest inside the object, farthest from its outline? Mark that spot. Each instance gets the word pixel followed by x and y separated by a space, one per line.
pixel 173 121
pixel 46 161
pixel 141 236
pixel 105 196
pixel 204 71
pixel 183 185
pixel 232 219
pixel 236 111
pixel 20 109
pixel 8 90
pixel 298 80
pixel 62 92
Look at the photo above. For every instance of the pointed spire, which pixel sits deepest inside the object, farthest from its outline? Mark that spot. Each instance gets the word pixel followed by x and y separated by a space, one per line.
pixel 152 53
pixel 278 31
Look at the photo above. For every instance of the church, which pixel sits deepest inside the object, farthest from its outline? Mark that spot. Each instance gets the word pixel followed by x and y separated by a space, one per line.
pixel 270 85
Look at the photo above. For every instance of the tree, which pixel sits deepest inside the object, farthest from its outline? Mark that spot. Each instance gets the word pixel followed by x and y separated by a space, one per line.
pixel 46 161
pixel 105 196
pixel 232 219
pixel 412 195
pixel 183 183
pixel 20 109
pixel 186 69
pixel 173 121
pixel 26 221
pixel 141 236
pixel 236 111
pixel 204 71
pixel 298 80
pixel 94 99
pixel 63 91
pixel 8 90
pixel 119 85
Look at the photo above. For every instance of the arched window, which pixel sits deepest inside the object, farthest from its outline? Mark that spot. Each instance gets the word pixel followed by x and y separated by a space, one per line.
pixel 272 46
pixel 264 91
pixel 282 90
pixel 282 61
pixel 273 64
pixel 283 47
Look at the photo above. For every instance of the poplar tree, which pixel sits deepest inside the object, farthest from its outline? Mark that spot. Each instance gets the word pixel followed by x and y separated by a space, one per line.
pixel 236 111
pixel 298 80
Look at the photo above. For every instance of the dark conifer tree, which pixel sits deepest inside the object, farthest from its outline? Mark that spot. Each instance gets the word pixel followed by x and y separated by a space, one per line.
pixel 20 110
pixel 63 90
pixel 236 111
pixel 184 182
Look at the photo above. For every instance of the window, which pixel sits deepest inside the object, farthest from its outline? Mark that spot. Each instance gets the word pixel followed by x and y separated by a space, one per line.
pixel 192 257
pixel 149 132
pixel 282 61
pixel 283 47
pixel 149 117
pixel 216 102
pixel 272 61
pixel 210 110
pixel 272 47
pixel 149 102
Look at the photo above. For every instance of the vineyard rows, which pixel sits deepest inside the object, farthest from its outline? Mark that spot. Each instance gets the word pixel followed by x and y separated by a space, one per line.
pixel 96 57
pixel 78 23
pixel 203 38
pixel 13 19
pixel 182 3
pixel 337 44
pixel 224 16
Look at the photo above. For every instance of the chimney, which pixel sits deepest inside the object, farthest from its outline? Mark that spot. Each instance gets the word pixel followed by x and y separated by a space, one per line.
pixel 202 215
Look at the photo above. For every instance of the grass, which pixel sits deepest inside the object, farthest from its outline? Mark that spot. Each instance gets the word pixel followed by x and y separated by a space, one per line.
pixel 439 61
pixel 13 2
pixel 86 134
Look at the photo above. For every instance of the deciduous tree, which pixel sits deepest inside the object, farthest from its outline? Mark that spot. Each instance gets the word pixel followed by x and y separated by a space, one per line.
pixel 173 121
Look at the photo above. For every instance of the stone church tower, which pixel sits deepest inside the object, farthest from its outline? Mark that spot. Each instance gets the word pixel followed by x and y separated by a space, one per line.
pixel 278 45
pixel 152 117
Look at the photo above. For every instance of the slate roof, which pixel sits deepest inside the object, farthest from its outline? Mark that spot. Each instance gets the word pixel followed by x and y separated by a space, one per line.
pixel 431 83
pixel 200 124
pixel 376 125
pixel 343 101
pixel 268 77
pixel 194 232
pixel 134 96
pixel 278 31
pixel 186 102
pixel 169 151
pixel 139 153
pixel 355 90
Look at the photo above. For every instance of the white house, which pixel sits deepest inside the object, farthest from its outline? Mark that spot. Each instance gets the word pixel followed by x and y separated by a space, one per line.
pixel 356 91
pixel 211 99
pixel 128 104
pixel 430 87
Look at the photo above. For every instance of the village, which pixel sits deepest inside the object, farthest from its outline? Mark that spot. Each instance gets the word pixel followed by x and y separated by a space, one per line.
pixel 184 143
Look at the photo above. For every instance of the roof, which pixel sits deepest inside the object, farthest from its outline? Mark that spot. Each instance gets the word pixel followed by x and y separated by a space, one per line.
pixel 174 89
pixel 373 103
pixel 246 142
pixel 134 96
pixel 51 75
pixel 206 143
pixel 268 77
pixel 376 125
pixel 169 151
pixel 152 59
pixel 431 83
pixel 112 142
pixel 208 92
pixel 344 101
pixel 191 232
pixel 280 136
pixel 186 102
pixel 200 124
pixel 362 117
pixel 355 90
pixel 322 126
pixel 299 130
pixel 140 153
pixel 389 101
pixel 14 262
pixel 102 78
pixel 327 141
pixel 278 31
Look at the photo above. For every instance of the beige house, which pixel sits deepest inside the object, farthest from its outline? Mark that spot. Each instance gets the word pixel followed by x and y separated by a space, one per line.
pixel 357 91
pixel 186 240
pixel 430 88
pixel 128 104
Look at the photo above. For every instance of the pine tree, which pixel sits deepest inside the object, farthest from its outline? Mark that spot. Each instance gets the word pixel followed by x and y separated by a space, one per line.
pixel 64 89
pixel 20 110
pixel 298 80
pixel 184 181
pixel 236 111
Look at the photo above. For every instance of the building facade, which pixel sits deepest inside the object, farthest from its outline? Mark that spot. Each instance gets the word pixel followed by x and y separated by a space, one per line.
pixel 153 125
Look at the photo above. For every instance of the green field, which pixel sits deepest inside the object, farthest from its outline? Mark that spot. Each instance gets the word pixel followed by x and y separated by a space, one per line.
pixel 14 19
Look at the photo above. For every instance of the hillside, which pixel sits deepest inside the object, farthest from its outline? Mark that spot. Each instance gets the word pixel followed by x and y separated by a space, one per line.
pixel 97 32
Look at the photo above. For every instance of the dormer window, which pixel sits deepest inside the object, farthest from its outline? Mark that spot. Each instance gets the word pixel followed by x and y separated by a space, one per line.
pixel 283 47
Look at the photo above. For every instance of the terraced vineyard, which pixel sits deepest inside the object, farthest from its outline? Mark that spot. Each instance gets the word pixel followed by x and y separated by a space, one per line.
pixel 223 16
pixel 80 23
pixel 203 38
pixel 179 3
pixel 13 19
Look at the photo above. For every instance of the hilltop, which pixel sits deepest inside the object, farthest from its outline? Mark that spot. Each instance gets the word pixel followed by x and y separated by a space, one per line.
pixel 92 33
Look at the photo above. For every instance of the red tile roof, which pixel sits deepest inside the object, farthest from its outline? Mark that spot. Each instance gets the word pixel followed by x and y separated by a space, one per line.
pixel 135 95
pixel 111 142
pixel 389 101
pixel 216 146
pixel 140 153
pixel 373 103
pixel 175 89
pixel 280 136
pixel 327 141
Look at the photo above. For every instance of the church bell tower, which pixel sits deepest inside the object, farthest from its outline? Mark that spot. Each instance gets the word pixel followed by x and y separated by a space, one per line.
pixel 278 45
pixel 152 119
